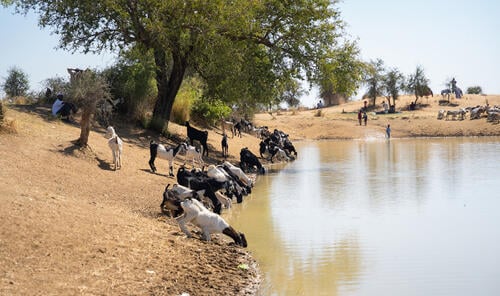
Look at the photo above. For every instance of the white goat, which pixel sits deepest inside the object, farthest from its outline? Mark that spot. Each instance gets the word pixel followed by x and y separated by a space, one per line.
pixel 194 154
pixel 116 145
pixel 238 172
pixel 209 222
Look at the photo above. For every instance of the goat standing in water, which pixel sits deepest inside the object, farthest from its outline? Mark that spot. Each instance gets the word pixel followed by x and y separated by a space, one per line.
pixel 164 153
pixel 116 145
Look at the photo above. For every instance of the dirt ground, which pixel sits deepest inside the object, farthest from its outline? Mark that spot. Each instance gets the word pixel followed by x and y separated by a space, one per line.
pixel 70 225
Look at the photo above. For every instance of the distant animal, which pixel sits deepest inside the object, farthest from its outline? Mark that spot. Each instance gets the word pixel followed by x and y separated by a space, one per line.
pixel 460 114
pixel 227 125
pixel 446 91
pixel 209 222
pixel 162 152
pixel 476 112
pixel 116 146
pixel 197 135
pixel 237 129
pixel 441 114
pixel 225 146
pixel 249 161
pixel 425 91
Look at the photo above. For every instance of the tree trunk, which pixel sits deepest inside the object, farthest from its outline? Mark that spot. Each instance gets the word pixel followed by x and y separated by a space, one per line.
pixel 168 87
pixel 85 126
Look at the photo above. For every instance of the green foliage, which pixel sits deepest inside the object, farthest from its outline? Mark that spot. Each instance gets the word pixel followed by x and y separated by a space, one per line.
pixel 418 84
pixel 16 84
pixel 243 50
pixel 393 83
pixel 474 90
pixel 88 89
pixel 209 111
pixel 340 72
pixel 374 77
pixel 189 93
pixel 132 79
pixel 56 85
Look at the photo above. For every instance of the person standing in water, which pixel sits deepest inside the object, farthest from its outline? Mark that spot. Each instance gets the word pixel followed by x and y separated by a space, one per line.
pixel 388 131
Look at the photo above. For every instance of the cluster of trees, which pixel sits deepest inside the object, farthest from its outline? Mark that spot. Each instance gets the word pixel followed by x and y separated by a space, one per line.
pixel 224 55
pixel 390 82
pixel 246 53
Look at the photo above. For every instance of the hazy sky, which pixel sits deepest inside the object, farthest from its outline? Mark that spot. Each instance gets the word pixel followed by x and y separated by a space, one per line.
pixel 448 39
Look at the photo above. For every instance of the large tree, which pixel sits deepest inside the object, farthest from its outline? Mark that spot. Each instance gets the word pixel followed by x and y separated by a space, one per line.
pixel 261 41
pixel 374 78
pixel 340 73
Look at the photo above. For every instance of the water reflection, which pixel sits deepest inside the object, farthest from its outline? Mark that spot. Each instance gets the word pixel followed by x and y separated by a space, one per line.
pixel 398 217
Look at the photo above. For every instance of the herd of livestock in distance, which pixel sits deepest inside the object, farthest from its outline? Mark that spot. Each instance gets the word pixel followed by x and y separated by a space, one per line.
pixel 200 194
pixel 492 113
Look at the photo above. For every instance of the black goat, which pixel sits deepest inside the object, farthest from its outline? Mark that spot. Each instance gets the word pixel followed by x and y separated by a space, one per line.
pixel 198 135
pixel 199 182
pixel 248 161
pixel 288 146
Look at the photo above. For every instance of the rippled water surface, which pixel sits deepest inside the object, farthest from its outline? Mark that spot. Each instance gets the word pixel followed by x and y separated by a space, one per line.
pixel 398 217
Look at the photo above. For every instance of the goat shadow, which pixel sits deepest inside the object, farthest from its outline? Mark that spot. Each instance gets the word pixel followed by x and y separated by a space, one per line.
pixel 149 171
pixel 103 165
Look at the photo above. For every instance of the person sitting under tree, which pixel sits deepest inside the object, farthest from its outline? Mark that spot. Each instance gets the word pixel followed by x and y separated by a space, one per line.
pixel 62 109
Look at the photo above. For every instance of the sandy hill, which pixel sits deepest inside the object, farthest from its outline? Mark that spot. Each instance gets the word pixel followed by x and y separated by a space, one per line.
pixel 72 226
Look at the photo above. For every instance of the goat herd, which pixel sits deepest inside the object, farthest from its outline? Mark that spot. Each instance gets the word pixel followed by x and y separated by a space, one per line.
pixel 492 113
pixel 199 195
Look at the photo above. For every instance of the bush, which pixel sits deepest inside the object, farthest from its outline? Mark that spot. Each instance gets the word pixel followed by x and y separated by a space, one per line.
pixel 474 90
pixel 209 112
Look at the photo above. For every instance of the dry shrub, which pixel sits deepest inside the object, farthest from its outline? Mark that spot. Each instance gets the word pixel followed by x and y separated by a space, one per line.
pixel 21 100
pixel 319 113
pixel 9 126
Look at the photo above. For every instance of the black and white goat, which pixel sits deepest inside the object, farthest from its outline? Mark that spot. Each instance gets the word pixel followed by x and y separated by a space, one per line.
pixel 209 222
pixel 199 182
pixel 116 146
pixel 194 154
pixel 173 197
pixel 162 152
pixel 197 135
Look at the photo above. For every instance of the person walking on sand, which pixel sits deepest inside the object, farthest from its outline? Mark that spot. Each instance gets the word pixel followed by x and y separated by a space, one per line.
pixel 365 117
pixel 359 116
pixel 388 131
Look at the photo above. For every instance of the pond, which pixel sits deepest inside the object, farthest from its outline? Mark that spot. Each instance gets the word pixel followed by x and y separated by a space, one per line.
pixel 378 217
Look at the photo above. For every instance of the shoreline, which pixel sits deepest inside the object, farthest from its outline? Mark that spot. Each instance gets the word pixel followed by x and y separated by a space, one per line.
pixel 115 213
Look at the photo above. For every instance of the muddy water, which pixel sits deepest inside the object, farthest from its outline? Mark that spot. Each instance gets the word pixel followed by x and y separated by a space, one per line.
pixel 399 217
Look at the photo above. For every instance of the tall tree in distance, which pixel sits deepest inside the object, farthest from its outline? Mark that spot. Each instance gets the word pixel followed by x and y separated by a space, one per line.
pixel 340 74
pixel 393 83
pixel 283 38
pixel 374 79
pixel 418 84
pixel 16 84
